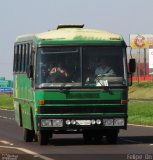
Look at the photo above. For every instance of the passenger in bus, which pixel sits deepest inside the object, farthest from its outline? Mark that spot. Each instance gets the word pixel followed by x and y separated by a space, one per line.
pixel 57 74
pixel 104 68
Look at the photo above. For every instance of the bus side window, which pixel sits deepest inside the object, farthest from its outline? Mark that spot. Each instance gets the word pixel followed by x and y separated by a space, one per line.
pixel 25 58
pixel 15 58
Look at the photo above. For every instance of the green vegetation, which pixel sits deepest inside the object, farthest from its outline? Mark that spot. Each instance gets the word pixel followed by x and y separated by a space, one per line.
pixel 140 112
pixel 142 90
pixel 6 101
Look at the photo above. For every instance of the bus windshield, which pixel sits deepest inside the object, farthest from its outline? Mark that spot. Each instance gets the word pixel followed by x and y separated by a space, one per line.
pixel 80 67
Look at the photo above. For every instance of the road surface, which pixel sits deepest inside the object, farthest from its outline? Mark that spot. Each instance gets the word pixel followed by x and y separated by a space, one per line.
pixel 134 143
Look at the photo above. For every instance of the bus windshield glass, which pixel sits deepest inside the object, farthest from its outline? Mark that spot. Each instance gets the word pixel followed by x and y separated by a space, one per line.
pixel 80 67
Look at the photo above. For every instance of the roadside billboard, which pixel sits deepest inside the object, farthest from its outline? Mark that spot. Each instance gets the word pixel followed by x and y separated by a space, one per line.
pixel 150 58
pixel 141 40
pixel 5 85
pixel 2 78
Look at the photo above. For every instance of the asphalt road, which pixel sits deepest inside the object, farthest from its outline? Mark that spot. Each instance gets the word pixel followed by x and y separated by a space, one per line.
pixel 134 143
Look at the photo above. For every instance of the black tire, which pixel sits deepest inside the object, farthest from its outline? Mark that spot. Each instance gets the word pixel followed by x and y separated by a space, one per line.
pixel 43 137
pixel 28 135
pixel 112 137
pixel 20 116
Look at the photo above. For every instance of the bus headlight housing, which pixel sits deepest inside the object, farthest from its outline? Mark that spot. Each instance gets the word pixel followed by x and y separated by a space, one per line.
pixel 52 123
pixel 119 122
pixel 114 122
pixel 46 123
pixel 108 122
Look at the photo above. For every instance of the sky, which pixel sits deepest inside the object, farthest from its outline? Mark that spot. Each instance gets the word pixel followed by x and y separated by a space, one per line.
pixel 19 17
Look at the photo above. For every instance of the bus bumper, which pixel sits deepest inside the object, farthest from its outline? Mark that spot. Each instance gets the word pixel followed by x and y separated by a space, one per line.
pixel 81 123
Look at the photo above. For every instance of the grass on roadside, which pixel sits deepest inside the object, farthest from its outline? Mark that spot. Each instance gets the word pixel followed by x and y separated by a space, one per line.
pixel 6 101
pixel 141 90
pixel 140 113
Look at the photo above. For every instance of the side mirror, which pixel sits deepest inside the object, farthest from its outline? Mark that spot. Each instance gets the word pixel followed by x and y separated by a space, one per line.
pixel 132 65
pixel 30 71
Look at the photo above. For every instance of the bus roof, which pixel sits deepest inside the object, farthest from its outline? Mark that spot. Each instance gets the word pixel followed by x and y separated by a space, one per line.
pixel 73 34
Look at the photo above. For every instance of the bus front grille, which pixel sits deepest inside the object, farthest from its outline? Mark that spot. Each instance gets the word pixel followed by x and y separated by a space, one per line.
pixel 81 109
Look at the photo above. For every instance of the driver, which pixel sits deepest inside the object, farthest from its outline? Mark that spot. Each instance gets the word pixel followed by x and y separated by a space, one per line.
pixel 104 68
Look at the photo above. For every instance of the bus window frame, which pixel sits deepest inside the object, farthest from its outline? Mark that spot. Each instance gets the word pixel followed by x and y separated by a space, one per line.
pixel 19 58
pixel 22 59
pixel 26 56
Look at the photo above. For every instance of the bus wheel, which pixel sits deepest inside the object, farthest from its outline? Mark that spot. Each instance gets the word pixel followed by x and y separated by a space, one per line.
pixel 43 137
pixel 112 137
pixel 28 135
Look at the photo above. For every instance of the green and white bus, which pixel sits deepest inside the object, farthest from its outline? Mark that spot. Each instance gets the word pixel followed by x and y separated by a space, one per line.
pixel 84 102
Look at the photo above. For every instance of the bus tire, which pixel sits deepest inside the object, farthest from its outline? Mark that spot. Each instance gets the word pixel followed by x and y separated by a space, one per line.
pixel 43 137
pixel 112 137
pixel 20 116
pixel 28 135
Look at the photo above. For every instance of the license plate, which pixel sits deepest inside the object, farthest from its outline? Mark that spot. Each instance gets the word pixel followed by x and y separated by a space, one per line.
pixel 83 122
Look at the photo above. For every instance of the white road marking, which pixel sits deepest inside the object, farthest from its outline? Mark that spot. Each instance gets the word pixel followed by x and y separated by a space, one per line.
pixel 6 142
pixel 7 110
pixel 6 118
pixel 28 152
pixel 131 141
pixel 137 125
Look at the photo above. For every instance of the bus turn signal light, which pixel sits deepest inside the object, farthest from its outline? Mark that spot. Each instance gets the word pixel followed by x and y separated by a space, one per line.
pixel 123 101
pixel 41 102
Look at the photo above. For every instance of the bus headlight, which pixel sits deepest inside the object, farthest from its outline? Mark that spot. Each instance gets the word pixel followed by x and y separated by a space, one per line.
pixel 73 122
pixel 108 122
pixel 93 121
pixel 68 122
pixel 98 121
pixel 57 122
pixel 114 122
pixel 119 122
pixel 51 123
pixel 46 123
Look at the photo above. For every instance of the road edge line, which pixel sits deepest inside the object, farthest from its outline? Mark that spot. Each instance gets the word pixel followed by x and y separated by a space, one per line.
pixel 139 125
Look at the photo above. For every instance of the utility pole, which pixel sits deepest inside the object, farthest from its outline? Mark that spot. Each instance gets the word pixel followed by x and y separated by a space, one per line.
pixel 139 67
pixel 145 67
